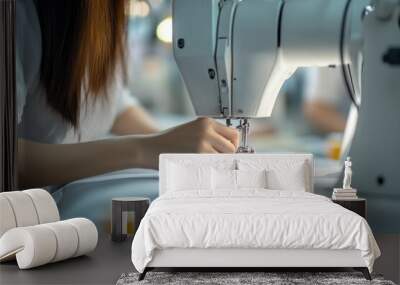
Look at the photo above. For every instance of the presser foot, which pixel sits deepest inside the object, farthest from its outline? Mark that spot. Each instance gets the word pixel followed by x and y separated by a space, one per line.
pixel 245 149
pixel 244 128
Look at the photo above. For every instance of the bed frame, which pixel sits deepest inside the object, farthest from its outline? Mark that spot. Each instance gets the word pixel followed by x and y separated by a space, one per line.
pixel 259 259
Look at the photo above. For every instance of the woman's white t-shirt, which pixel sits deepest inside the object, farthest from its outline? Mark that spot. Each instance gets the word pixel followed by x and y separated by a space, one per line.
pixel 37 120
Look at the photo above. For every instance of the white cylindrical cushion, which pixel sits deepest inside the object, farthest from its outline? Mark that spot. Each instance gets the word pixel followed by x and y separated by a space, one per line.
pixel 33 246
pixel 67 240
pixel 45 205
pixel 7 218
pixel 23 208
pixel 37 245
pixel 87 234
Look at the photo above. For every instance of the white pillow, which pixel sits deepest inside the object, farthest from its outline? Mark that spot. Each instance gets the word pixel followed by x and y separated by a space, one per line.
pixel 226 179
pixel 282 174
pixel 223 179
pixel 292 179
pixel 251 178
pixel 184 177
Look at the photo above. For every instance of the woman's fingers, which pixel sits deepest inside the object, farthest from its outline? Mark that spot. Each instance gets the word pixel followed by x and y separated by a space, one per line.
pixel 229 133
pixel 210 149
pixel 221 138
pixel 220 143
pixel 203 135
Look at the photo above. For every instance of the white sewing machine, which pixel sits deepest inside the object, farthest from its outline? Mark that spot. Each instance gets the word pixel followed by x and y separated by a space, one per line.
pixel 235 55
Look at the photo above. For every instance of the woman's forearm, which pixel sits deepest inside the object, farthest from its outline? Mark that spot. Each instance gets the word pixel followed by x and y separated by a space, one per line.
pixel 53 164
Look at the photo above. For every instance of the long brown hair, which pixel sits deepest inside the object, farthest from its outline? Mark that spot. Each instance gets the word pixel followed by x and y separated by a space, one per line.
pixel 83 41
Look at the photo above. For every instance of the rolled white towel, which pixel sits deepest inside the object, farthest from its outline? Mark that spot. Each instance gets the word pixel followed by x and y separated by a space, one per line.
pixel 37 245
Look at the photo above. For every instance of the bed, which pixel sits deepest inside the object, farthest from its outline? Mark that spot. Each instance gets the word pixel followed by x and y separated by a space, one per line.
pixel 246 211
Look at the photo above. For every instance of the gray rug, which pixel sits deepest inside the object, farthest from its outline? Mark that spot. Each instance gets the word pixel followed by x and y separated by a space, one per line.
pixel 269 278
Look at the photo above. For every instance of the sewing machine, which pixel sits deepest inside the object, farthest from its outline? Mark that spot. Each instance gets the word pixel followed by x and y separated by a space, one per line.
pixel 234 57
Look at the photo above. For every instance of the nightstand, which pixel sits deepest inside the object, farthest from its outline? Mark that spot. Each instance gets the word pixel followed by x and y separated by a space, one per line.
pixel 358 206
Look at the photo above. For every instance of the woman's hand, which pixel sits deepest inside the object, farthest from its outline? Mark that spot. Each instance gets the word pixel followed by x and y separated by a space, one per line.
pixel 203 135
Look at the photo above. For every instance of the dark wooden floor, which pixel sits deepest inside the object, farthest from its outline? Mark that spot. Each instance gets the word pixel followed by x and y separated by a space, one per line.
pixel 103 266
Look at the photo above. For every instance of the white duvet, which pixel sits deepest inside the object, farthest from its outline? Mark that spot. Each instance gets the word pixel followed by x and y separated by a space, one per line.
pixel 250 219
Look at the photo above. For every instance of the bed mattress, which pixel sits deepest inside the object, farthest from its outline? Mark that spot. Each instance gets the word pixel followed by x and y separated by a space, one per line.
pixel 250 219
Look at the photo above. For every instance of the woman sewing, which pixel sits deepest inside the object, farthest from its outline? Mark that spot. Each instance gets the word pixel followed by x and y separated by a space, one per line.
pixel 70 59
